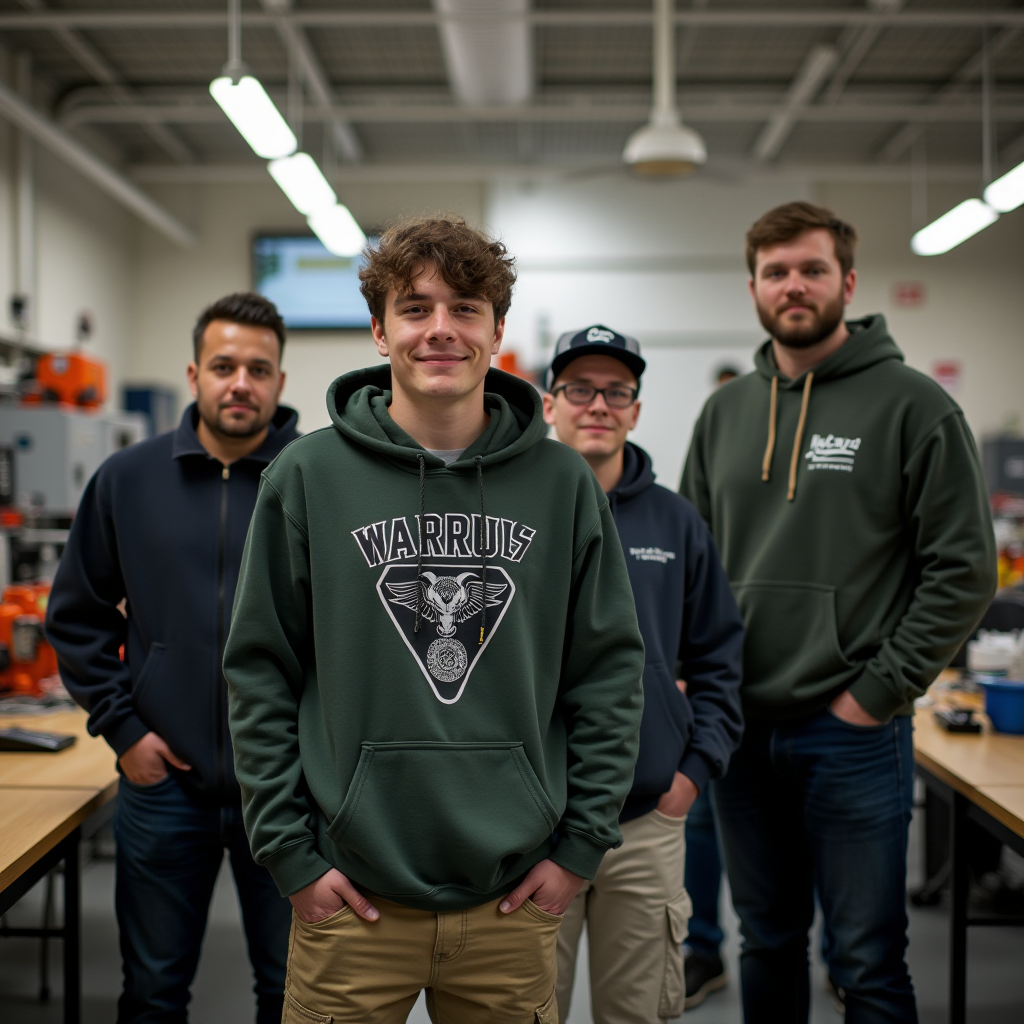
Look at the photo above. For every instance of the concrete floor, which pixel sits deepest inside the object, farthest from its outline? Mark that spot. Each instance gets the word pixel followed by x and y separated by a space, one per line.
pixel 222 991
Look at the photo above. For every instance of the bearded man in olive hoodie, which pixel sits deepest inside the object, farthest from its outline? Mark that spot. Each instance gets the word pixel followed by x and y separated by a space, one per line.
pixel 434 664
pixel 846 497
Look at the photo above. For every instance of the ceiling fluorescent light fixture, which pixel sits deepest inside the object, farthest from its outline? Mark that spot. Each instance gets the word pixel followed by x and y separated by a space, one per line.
pixel 303 183
pixel 1007 193
pixel 954 227
pixel 253 113
pixel 338 230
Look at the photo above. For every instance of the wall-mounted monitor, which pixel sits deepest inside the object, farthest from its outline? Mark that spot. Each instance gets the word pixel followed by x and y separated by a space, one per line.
pixel 312 288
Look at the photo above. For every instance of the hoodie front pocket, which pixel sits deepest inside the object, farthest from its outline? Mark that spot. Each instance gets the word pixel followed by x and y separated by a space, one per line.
pixel 425 815
pixel 792 643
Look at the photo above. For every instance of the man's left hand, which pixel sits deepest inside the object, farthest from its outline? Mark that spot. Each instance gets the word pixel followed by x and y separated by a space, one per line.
pixel 676 803
pixel 550 886
pixel 848 708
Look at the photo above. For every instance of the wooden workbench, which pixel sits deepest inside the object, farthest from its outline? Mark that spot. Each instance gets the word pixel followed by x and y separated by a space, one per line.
pixel 981 777
pixel 966 762
pixel 89 764
pixel 46 799
pixel 33 822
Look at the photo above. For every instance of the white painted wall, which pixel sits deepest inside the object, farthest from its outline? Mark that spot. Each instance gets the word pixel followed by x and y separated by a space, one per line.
pixel 174 285
pixel 974 304
pixel 84 261
pixel 662 261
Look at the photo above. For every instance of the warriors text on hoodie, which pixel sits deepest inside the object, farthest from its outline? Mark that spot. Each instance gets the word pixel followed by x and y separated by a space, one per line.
pixel 434 672
pixel 851 516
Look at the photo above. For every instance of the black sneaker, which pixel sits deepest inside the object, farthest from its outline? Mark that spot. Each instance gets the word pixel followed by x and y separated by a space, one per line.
pixel 704 975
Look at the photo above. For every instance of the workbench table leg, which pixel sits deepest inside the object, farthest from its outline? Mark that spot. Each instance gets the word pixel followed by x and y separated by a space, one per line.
pixel 72 932
pixel 959 887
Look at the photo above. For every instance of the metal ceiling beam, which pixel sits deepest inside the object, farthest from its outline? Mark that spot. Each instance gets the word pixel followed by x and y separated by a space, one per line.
pixel 104 72
pixel 701 18
pixel 955 88
pixel 624 113
pixel 853 56
pixel 101 174
pixel 295 42
pixel 419 171
pixel 817 66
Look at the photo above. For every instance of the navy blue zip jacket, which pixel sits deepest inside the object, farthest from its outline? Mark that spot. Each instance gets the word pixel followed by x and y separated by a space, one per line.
pixel 690 623
pixel 161 524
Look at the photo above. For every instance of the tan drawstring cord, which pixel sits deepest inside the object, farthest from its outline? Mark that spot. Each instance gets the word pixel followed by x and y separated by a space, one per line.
pixel 769 451
pixel 795 460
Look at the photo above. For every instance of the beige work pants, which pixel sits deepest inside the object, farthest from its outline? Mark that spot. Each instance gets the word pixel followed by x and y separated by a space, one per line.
pixel 476 965
pixel 636 911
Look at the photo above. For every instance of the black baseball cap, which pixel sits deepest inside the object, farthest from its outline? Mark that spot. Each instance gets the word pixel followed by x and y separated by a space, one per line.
pixel 595 341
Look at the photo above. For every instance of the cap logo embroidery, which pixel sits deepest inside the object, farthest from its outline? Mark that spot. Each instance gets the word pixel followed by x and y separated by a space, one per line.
pixel 599 334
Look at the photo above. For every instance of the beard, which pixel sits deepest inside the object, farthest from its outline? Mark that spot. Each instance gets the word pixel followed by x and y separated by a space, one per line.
pixel 218 421
pixel 818 323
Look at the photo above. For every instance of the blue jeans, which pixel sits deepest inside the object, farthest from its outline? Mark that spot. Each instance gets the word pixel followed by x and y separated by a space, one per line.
pixel 820 804
pixel 169 851
pixel 703 876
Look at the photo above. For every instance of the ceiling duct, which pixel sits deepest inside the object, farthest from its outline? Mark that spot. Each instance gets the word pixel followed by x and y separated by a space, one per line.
pixel 664 147
pixel 487 50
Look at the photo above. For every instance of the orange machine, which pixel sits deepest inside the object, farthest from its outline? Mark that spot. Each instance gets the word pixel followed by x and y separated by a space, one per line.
pixel 26 659
pixel 71 378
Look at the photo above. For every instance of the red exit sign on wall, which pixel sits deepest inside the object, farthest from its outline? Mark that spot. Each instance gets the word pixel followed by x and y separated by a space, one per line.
pixel 908 294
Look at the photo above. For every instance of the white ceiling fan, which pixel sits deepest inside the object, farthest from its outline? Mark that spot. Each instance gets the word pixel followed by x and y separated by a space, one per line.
pixel 664 147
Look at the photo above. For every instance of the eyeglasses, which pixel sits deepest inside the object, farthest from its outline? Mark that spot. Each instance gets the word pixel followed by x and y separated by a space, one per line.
pixel 618 396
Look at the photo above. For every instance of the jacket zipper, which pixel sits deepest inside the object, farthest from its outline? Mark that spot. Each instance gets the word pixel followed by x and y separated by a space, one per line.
pixel 225 476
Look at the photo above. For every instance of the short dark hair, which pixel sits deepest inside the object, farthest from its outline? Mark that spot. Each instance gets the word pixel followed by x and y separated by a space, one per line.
pixel 785 222
pixel 246 308
pixel 466 259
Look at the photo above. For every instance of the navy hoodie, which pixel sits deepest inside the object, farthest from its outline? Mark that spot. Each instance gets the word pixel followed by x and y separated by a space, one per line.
pixel 690 625
pixel 161 524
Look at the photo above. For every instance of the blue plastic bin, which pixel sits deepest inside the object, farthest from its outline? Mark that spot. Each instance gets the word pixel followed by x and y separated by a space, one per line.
pixel 1004 705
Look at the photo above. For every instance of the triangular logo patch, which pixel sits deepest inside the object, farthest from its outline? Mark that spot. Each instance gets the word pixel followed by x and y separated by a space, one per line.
pixel 450 598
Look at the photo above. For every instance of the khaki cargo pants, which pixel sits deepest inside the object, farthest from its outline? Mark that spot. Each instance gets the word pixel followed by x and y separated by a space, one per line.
pixel 476 965
pixel 636 911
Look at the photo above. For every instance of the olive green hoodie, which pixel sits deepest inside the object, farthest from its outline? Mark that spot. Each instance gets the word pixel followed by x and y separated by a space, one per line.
pixel 430 711
pixel 851 515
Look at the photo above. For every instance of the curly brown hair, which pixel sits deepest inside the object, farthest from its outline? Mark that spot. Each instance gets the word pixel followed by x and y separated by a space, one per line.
pixel 784 223
pixel 467 260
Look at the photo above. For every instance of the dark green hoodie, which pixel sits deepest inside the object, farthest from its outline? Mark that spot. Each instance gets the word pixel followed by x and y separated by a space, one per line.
pixel 858 543
pixel 373 730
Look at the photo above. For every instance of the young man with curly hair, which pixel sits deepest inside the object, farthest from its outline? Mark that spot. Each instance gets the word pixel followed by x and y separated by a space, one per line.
pixel 434 664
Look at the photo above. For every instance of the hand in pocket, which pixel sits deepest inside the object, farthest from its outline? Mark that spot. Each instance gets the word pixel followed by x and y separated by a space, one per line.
pixel 330 893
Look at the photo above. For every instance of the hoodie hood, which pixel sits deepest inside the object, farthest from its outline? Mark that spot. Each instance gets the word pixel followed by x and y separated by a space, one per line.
pixel 869 343
pixel 358 405
pixel 637 473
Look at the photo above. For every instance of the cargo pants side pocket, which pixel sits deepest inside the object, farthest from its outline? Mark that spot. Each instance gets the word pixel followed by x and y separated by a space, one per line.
pixel 673 989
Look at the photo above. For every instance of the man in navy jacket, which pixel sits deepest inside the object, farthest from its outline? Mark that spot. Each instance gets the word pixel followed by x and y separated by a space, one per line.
pixel 636 908
pixel 151 563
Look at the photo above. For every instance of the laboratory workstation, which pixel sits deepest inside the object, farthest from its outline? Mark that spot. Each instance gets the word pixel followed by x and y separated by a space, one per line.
pixel 511 511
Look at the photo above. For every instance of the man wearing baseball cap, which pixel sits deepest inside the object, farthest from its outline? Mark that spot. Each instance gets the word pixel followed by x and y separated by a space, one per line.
pixel 636 908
